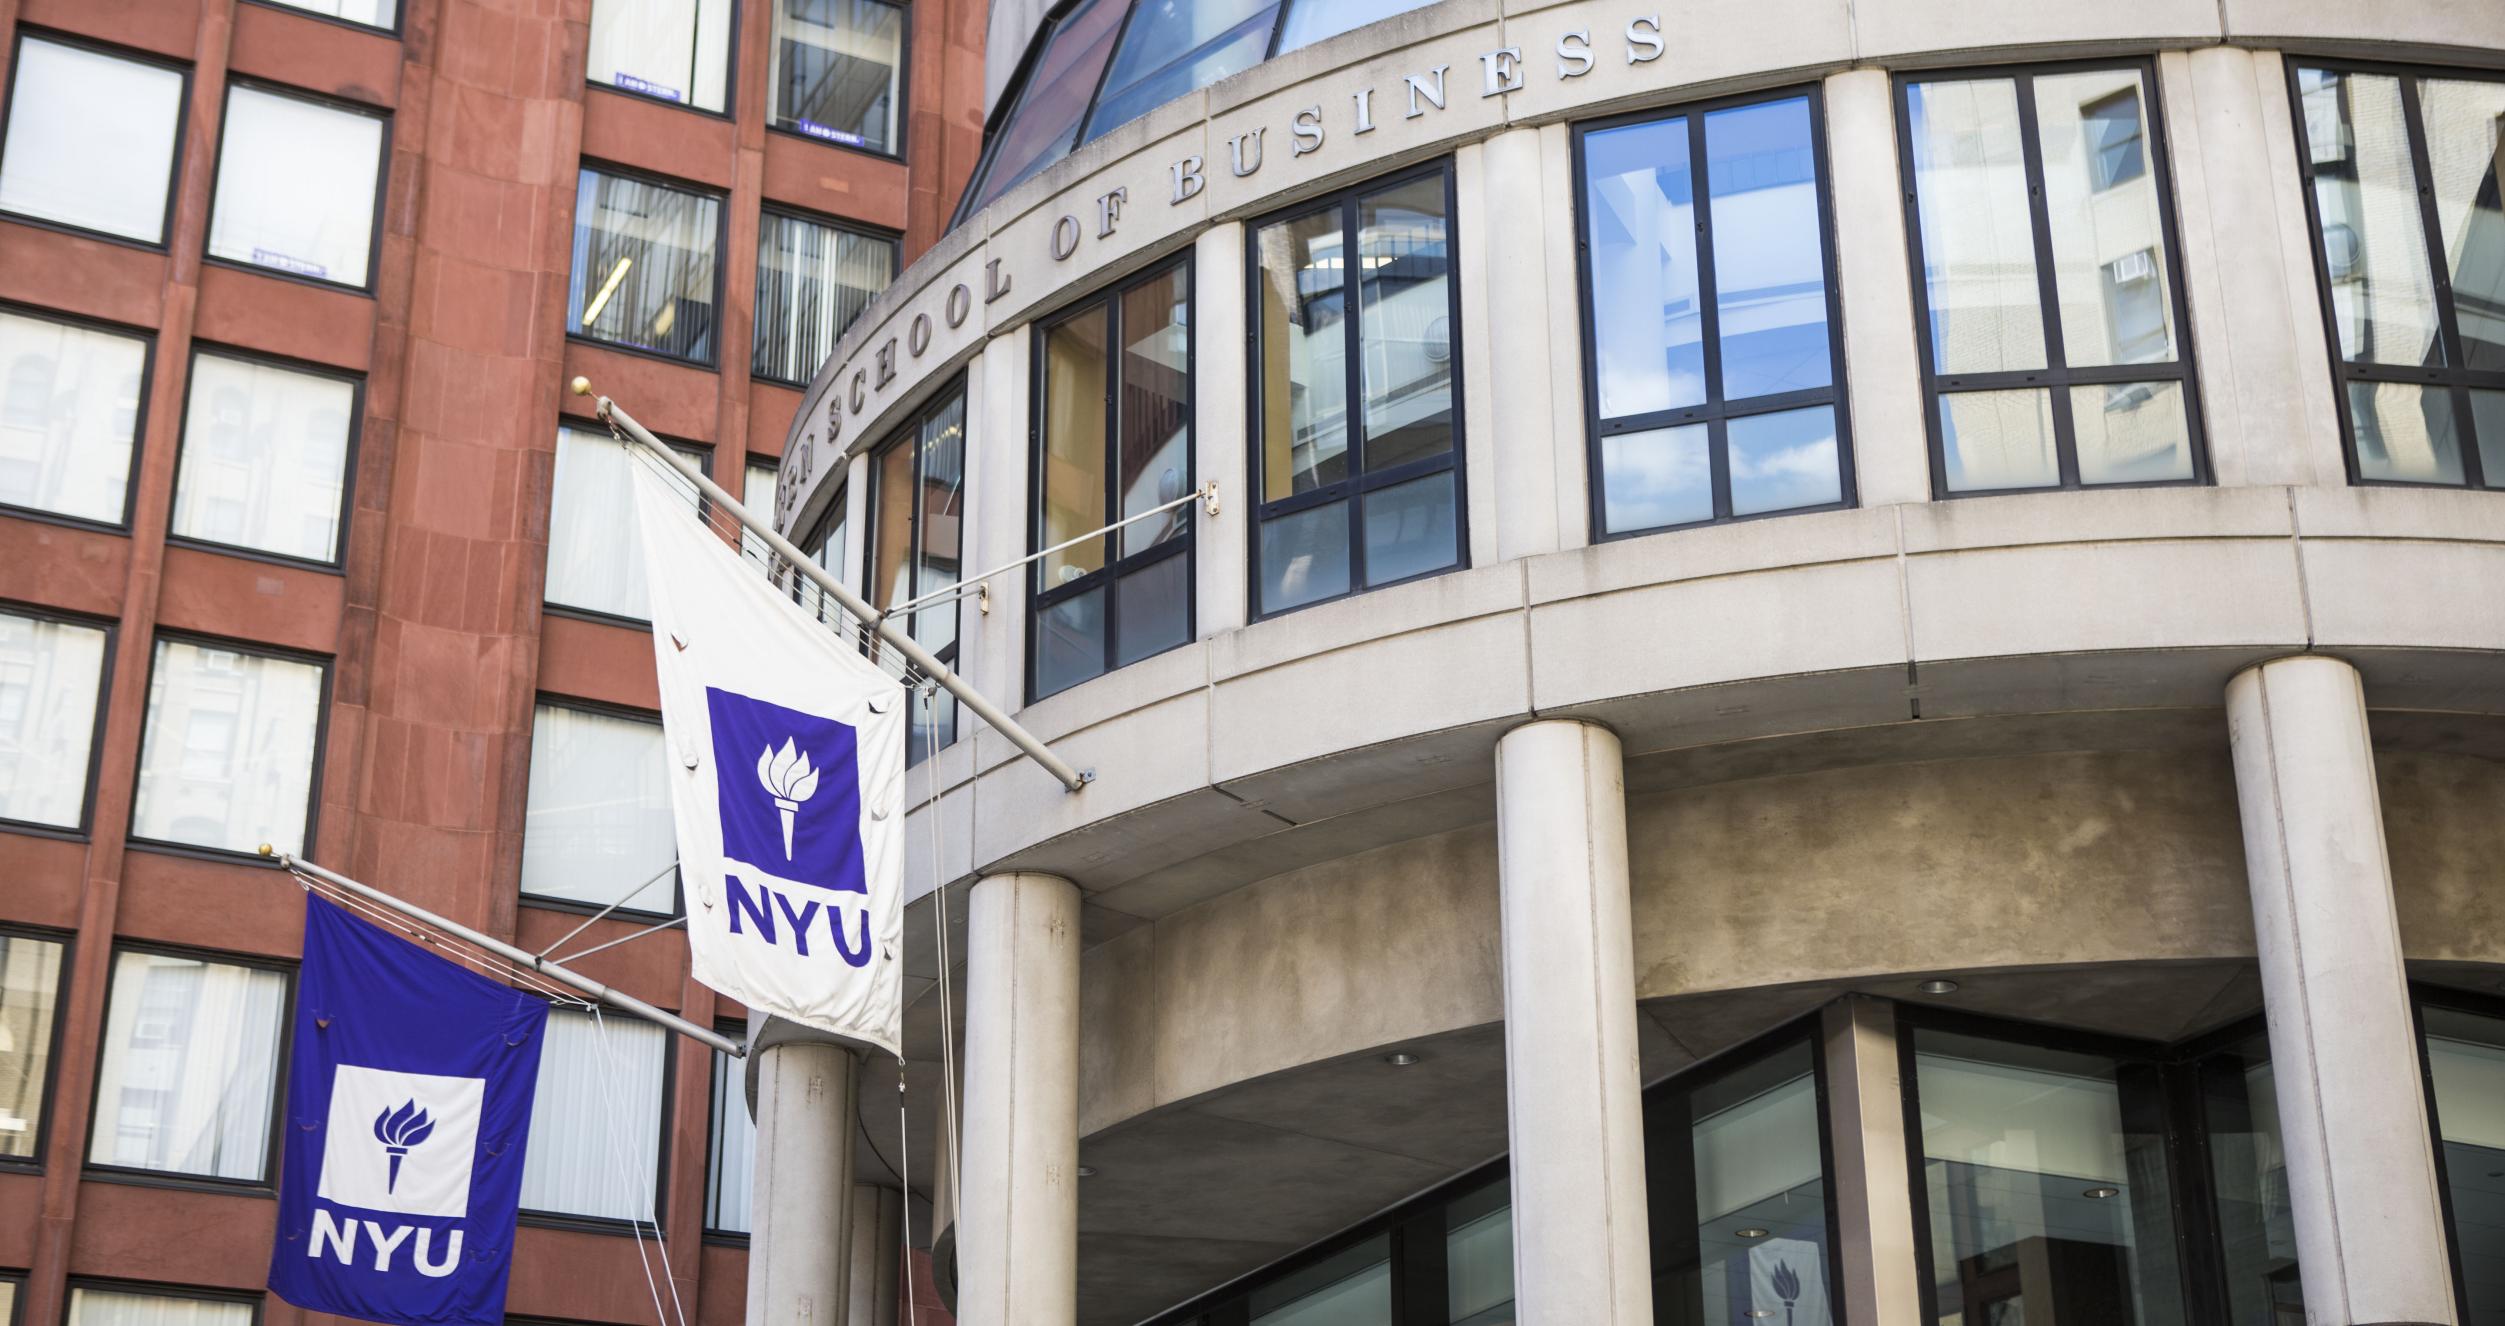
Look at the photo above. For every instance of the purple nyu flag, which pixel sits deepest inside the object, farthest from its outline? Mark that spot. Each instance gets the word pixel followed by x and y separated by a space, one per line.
pixel 407 1108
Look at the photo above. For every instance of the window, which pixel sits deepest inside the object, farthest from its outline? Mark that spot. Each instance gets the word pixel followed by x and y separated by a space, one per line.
pixel 189 1079
pixel 1357 400
pixel 226 760
pixel 1310 21
pixel 1478 1257
pixel 8 1299
pixel 98 1306
pixel 265 457
pixel 1712 331
pixel 73 107
pixel 2248 1177
pixel 2052 320
pixel 1171 47
pixel 644 273
pixel 597 827
pixel 731 1152
pixel 1351 1288
pixel 1043 125
pixel 2410 248
pixel 2042 1187
pixel 30 988
pixel 917 519
pixel 757 494
pixel 1735 1176
pixel 69 416
pixel 595 1142
pixel 383 14
pixel 51 694
pixel 837 64
pixel 830 548
pixel 2466 1074
pixel 669 50
pixel 1113 439
pixel 299 186
pixel 595 549
pixel 813 279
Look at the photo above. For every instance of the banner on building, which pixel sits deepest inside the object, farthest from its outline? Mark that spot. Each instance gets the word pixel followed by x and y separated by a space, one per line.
pixel 786 752
pixel 408 1104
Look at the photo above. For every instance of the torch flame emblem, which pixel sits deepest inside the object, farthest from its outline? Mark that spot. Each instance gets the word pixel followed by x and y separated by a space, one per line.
pixel 787 777
pixel 398 1129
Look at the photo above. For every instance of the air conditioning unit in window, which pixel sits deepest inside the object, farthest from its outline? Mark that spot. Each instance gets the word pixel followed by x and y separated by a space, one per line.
pixel 2132 267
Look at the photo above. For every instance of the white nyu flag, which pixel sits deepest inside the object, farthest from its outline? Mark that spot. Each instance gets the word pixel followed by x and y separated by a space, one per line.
pixel 787 755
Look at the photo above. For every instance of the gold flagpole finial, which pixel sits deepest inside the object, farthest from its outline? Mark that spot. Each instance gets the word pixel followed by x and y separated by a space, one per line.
pixel 582 386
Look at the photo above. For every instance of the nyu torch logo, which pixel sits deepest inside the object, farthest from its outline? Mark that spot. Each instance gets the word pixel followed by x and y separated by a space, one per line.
pixel 399 1129
pixel 787 777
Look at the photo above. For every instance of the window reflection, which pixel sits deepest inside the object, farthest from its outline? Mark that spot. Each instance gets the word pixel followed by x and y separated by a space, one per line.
pixel 1044 124
pixel 69 413
pixel 1478 1257
pixel 917 516
pixel 2248 1168
pixel 1735 1175
pixel 2466 1065
pixel 643 269
pixel 836 68
pixel 72 108
pixel 1173 46
pixel 1351 1289
pixel 298 184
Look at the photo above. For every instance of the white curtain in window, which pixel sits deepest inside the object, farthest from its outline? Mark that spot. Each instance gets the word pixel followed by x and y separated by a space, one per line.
pixel 226 758
pixel 758 496
pixel 30 982
pixel 734 1150
pixel 106 1307
pixel 595 1146
pixel 375 13
pixel 812 281
pixel 595 555
pixel 75 108
pixel 598 824
pixel 296 186
pixel 264 458
pixel 69 407
pixel 51 674
pixel 190 1067
pixel 677 50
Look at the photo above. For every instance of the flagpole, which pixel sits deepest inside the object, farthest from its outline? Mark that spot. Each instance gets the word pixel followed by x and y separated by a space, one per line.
pixel 922 659
pixel 617 999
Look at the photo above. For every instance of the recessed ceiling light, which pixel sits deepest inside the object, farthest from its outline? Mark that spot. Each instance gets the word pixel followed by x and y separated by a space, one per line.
pixel 1752 1232
pixel 1400 1058
pixel 1087 1171
pixel 1938 986
pixel 2100 1192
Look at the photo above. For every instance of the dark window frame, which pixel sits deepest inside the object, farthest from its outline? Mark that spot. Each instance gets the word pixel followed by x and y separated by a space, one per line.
pixel 182 131
pixel 908 433
pixel 140 1175
pixel 2453 375
pixel 2057 376
pixel 678 877
pixel 112 629
pixel 382 185
pixel 147 338
pixel 730 77
pixel 1716 411
pixel 328 666
pixel 338 563
pixel 721 274
pixel 664 1141
pixel 49 1091
pixel 1360 481
pixel 896 249
pixel 722 1065
pixel 395 30
pixel 159 1289
pixel 2423 996
pixel 1041 598
pixel 907 15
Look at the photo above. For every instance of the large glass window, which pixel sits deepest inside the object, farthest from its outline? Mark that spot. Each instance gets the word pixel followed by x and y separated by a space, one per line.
pixel 189 1078
pixel 265 457
pixel 1171 47
pixel 2052 320
pixel 299 186
pixel 644 272
pixel 1043 124
pixel 1357 402
pixel 1309 21
pixel 2248 1178
pixel 30 990
pixel 838 65
pixel 730 1155
pixel 917 520
pixel 1350 1288
pixel 1712 328
pixel 2466 1068
pixel 226 759
pixel 1735 1175
pixel 1478 1257
pixel 371 13
pixel 595 549
pixel 98 1306
pixel 2043 1188
pixel 72 107
pixel 597 827
pixel 670 50
pixel 813 279
pixel 595 1141
pixel 1113 433
pixel 51 688
pixel 2409 237
pixel 69 416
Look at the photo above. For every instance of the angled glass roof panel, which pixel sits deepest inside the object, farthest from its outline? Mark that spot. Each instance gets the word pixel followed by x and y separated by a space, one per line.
pixel 1176 46
pixel 1309 21
pixel 1042 127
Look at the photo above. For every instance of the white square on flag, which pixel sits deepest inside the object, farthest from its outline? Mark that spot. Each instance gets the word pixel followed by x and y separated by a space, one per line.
pixel 428 1124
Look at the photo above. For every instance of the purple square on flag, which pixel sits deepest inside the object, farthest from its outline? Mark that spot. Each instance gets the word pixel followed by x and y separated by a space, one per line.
pixel 790 791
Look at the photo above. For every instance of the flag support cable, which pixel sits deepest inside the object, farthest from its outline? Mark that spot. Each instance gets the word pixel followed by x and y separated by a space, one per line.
pixel 577 955
pixel 623 899
pixel 617 999
pixel 624 426
pixel 1207 492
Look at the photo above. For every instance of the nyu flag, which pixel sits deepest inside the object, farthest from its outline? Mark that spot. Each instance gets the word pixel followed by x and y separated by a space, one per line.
pixel 787 754
pixel 407 1106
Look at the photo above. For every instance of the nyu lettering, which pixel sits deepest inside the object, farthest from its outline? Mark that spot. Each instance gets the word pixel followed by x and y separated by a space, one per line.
pixel 761 913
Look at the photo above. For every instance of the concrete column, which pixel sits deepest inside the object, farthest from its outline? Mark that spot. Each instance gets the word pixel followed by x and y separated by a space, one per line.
pixel 1218 428
pixel 1017 1238
pixel 1573 1108
pixel 1874 1204
pixel 801 1088
pixel 1503 258
pixel 2343 1046
pixel 878 1238
pixel 1883 372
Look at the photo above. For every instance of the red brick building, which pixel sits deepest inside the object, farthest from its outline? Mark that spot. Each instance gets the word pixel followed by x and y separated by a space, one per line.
pixel 288 301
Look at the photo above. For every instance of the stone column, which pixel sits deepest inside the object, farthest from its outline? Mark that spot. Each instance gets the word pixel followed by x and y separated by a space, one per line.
pixel 1017 1238
pixel 801 1088
pixel 878 1249
pixel 2343 1046
pixel 1874 1205
pixel 1573 1108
